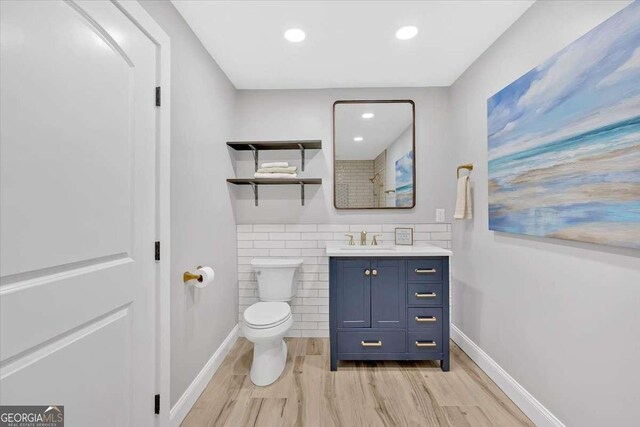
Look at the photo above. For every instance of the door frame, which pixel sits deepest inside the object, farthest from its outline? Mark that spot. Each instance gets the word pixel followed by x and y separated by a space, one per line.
pixel 156 34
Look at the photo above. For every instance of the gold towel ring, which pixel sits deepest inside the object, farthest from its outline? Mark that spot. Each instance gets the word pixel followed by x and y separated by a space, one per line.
pixel 468 166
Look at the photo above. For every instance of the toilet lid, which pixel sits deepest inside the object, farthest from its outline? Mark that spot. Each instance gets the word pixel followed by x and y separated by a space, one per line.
pixel 267 314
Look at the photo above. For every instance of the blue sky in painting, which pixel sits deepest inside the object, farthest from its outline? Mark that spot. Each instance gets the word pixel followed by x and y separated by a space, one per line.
pixel 591 83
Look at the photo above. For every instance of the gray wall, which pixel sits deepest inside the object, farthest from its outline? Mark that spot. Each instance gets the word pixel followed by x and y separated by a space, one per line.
pixel 203 229
pixel 308 114
pixel 562 318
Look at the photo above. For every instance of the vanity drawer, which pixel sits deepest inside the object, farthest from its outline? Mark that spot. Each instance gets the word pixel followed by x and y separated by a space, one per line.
pixel 425 342
pixel 424 319
pixel 424 294
pixel 371 342
pixel 424 270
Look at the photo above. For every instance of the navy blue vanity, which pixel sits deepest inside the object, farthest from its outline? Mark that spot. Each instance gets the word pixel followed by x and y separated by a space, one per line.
pixel 389 307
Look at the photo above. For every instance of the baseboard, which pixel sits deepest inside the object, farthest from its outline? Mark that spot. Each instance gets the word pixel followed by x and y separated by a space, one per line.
pixel 535 410
pixel 191 394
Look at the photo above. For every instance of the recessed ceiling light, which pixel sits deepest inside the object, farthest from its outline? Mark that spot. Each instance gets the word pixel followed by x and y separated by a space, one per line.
pixel 367 115
pixel 295 35
pixel 358 138
pixel 406 33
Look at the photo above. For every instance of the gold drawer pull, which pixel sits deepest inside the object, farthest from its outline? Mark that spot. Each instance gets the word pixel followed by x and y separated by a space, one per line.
pixel 427 295
pixel 371 343
pixel 426 319
pixel 425 270
pixel 426 344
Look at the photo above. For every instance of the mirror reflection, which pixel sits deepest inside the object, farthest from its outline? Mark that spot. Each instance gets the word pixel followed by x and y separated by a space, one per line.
pixel 374 144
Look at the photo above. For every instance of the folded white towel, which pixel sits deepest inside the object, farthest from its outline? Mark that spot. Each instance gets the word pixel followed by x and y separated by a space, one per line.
pixel 275 165
pixel 290 169
pixel 463 199
pixel 275 175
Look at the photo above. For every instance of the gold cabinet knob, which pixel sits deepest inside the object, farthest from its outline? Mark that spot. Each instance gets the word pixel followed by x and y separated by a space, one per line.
pixel 367 272
pixel 374 272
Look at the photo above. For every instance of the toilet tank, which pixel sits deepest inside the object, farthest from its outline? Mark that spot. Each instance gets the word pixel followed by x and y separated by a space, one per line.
pixel 276 278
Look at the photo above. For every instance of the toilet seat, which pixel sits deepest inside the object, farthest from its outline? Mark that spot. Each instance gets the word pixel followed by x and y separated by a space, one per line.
pixel 265 315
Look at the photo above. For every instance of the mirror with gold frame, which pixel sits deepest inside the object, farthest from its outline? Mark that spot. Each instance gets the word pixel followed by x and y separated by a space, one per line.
pixel 374 164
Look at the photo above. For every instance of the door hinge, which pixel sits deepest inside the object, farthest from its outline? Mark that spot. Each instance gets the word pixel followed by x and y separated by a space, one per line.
pixel 157 251
pixel 157 404
pixel 158 96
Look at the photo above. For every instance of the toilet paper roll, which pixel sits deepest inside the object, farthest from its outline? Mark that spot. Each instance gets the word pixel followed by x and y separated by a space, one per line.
pixel 207 274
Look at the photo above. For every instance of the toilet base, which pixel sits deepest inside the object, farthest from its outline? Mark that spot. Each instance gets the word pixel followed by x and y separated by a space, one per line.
pixel 268 364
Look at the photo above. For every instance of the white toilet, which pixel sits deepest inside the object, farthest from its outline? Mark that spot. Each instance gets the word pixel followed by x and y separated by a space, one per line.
pixel 266 322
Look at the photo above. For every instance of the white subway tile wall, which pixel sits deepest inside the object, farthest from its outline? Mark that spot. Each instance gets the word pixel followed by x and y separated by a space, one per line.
pixel 310 308
pixel 353 186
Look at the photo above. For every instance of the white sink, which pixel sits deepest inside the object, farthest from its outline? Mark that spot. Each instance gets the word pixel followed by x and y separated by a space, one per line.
pixel 365 248
pixel 341 249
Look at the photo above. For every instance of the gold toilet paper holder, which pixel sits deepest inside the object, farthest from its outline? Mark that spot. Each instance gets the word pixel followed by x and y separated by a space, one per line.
pixel 187 275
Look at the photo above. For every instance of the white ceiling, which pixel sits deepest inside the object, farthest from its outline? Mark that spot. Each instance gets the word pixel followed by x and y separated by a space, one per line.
pixel 378 133
pixel 348 43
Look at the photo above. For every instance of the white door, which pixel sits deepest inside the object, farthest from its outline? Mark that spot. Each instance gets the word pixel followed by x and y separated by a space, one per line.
pixel 77 219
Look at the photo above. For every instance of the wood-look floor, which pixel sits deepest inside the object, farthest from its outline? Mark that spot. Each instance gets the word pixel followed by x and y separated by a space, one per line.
pixel 358 394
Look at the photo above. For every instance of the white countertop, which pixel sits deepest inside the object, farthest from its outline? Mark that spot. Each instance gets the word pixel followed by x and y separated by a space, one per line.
pixel 339 249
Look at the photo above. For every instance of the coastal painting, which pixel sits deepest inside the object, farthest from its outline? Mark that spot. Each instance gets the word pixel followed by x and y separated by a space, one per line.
pixel 404 181
pixel 564 141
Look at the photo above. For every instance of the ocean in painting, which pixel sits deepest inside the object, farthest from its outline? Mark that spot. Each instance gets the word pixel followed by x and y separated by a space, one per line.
pixel 564 141
pixel 404 181
pixel 404 196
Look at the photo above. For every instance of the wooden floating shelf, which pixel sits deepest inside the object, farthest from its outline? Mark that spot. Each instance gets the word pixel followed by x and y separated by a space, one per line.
pixel 256 182
pixel 257 146
pixel 315 144
pixel 274 181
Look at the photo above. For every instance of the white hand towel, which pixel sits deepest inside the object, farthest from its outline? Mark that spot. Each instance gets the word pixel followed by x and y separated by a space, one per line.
pixel 463 199
pixel 275 165
pixel 275 175
pixel 290 169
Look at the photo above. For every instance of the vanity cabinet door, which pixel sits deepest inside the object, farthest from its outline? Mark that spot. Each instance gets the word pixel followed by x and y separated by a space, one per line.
pixel 388 293
pixel 354 293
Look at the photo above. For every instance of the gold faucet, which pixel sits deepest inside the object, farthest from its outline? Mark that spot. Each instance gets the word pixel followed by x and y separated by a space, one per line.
pixel 363 238
pixel 374 241
pixel 350 236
